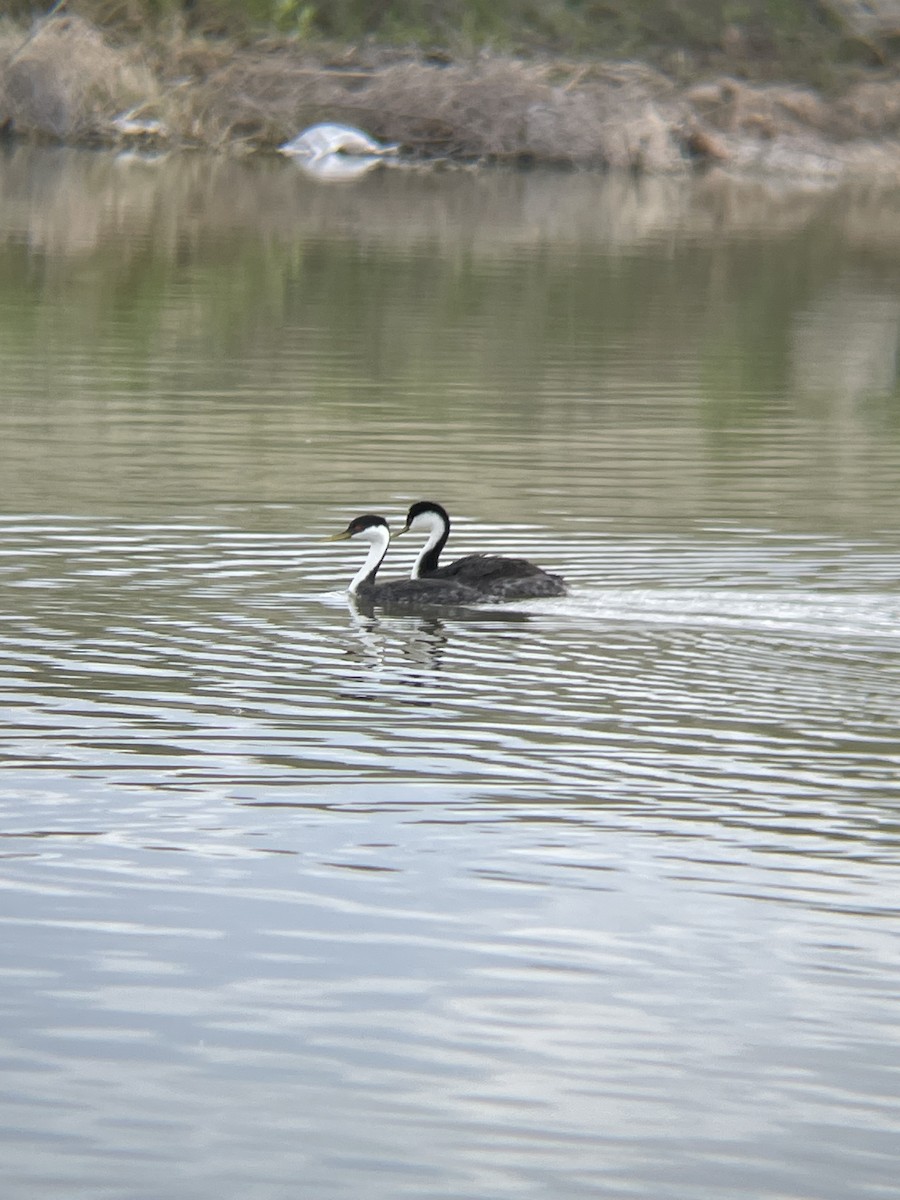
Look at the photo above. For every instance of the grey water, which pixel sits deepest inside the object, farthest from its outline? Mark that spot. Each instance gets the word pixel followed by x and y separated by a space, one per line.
pixel 594 896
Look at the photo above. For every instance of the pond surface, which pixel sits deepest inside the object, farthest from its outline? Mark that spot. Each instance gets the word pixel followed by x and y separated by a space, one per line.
pixel 593 896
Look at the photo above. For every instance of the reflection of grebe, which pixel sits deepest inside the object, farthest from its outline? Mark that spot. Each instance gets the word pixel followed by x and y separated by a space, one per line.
pixel 400 592
pixel 419 636
pixel 492 576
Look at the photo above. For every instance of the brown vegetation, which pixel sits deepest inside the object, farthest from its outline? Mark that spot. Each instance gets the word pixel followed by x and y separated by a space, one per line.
pixel 66 82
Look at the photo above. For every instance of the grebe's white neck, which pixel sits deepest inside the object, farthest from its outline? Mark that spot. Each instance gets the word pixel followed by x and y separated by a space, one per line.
pixel 379 538
pixel 437 529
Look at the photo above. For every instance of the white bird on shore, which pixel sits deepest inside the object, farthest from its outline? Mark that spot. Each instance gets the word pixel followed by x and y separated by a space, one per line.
pixel 319 141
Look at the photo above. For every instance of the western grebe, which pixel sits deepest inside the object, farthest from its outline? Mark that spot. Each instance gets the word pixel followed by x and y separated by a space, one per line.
pixel 374 530
pixel 494 576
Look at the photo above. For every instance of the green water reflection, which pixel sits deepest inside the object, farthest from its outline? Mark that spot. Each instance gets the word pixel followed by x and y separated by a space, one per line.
pixel 195 331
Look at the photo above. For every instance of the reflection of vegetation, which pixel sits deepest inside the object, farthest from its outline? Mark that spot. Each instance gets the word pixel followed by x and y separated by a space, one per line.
pixel 203 328
pixel 525 278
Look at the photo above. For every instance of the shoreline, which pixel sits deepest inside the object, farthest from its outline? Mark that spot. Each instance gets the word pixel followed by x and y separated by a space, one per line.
pixel 67 83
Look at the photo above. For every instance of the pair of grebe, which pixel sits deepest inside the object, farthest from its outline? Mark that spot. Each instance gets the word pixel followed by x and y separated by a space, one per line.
pixel 474 579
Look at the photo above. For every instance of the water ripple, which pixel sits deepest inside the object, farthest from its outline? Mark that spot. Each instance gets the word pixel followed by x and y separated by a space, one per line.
pixel 189 654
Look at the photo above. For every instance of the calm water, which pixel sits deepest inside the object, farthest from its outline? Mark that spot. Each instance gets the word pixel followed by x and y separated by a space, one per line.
pixel 594 897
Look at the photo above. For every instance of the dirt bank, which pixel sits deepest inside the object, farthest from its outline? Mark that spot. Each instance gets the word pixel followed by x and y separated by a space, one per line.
pixel 66 81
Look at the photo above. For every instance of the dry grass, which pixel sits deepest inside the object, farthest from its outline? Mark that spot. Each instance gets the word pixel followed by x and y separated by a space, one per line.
pixel 65 81
pixel 770 111
pixel 490 108
pixel 68 83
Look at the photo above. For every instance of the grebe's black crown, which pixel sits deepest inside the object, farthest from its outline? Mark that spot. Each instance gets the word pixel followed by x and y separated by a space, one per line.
pixel 426 506
pixel 358 524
